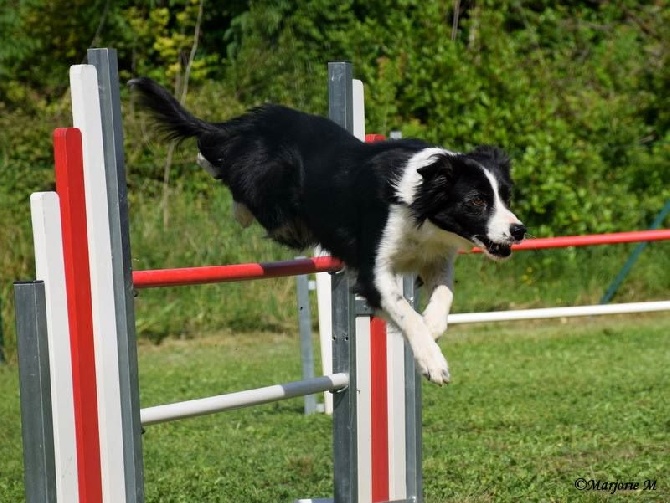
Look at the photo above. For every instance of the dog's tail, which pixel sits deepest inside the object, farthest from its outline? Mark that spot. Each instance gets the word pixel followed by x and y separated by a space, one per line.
pixel 172 118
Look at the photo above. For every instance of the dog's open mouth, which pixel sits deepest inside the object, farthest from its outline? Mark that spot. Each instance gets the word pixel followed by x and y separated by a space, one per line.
pixel 499 250
pixel 492 249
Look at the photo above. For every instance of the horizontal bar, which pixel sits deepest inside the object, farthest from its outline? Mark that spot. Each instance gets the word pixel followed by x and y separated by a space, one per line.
pixel 235 272
pixel 592 240
pixel 219 403
pixel 560 312
pixel 257 270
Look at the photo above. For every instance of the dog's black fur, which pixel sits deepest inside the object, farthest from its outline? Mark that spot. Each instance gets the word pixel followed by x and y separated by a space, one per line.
pixel 309 182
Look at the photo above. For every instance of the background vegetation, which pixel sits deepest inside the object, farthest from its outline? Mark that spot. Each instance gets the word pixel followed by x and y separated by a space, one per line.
pixel 576 91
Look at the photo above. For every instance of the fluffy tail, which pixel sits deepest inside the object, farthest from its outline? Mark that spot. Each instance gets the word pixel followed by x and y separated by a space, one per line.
pixel 173 119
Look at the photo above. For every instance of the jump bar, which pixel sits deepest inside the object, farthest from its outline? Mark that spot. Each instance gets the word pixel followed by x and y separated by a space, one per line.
pixel 235 272
pixel 592 240
pixel 220 403
pixel 560 312
pixel 257 270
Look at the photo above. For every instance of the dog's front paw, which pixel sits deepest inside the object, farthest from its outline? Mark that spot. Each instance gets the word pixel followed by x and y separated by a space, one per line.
pixel 437 311
pixel 432 364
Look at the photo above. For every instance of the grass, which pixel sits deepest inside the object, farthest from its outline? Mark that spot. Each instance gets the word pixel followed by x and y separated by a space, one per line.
pixel 534 406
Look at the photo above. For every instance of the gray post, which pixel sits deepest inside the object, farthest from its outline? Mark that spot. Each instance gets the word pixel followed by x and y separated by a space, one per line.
pixel 105 61
pixel 345 461
pixel 413 440
pixel 630 261
pixel 341 94
pixel 35 385
pixel 305 329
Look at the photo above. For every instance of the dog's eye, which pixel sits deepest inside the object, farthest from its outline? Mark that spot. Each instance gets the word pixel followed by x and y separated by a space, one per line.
pixel 477 202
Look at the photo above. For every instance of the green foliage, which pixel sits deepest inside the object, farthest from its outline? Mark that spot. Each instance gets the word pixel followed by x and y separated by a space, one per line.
pixel 575 91
pixel 557 85
pixel 161 39
pixel 560 86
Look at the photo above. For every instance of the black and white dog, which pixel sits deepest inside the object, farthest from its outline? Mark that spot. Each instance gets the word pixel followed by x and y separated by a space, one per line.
pixel 398 206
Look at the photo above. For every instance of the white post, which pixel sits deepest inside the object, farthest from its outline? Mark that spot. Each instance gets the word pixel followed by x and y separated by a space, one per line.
pixel 87 117
pixel 359 109
pixel 50 268
pixel 324 309
pixel 364 408
pixel 397 431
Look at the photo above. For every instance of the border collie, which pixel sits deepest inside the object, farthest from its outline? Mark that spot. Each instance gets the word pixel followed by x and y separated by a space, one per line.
pixel 397 206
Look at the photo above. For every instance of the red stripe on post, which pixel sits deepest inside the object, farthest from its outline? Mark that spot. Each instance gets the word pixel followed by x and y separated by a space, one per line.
pixel 70 188
pixel 379 411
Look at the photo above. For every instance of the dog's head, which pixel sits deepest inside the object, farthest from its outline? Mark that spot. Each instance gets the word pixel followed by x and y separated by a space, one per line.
pixel 468 195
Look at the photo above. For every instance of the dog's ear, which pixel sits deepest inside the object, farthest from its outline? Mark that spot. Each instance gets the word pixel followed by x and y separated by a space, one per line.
pixel 440 169
pixel 437 175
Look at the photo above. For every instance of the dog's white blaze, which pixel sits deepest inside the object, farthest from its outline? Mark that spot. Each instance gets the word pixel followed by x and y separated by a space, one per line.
pixel 502 218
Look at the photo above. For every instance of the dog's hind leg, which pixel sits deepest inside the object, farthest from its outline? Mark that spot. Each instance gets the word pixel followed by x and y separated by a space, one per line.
pixel 427 353
pixel 439 282
pixel 206 165
pixel 240 212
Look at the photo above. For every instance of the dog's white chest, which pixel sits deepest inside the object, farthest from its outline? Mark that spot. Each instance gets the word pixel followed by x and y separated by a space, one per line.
pixel 409 249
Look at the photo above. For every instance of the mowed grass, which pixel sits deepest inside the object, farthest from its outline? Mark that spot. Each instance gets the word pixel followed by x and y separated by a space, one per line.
pixel 533 407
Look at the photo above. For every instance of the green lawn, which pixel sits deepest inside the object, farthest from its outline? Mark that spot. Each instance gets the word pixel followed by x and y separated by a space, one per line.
pixel 533 407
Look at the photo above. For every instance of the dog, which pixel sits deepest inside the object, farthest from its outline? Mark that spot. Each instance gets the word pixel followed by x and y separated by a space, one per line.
pixel 384 208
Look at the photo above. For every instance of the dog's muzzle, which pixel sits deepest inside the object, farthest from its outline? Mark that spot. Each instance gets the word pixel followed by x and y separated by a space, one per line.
pixel 501 250
pixel 498 250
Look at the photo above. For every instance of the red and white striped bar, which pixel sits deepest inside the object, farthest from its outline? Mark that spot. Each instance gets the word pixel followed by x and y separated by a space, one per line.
pixel 258 270
pixel 247 398
pixel 591 240
pixel 236 272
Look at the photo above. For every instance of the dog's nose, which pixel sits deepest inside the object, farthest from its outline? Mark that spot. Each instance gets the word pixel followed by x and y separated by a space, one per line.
pixel 518 231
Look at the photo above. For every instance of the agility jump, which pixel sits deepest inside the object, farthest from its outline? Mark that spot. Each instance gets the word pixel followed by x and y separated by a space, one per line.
pixel 77 347
pixel 90 408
